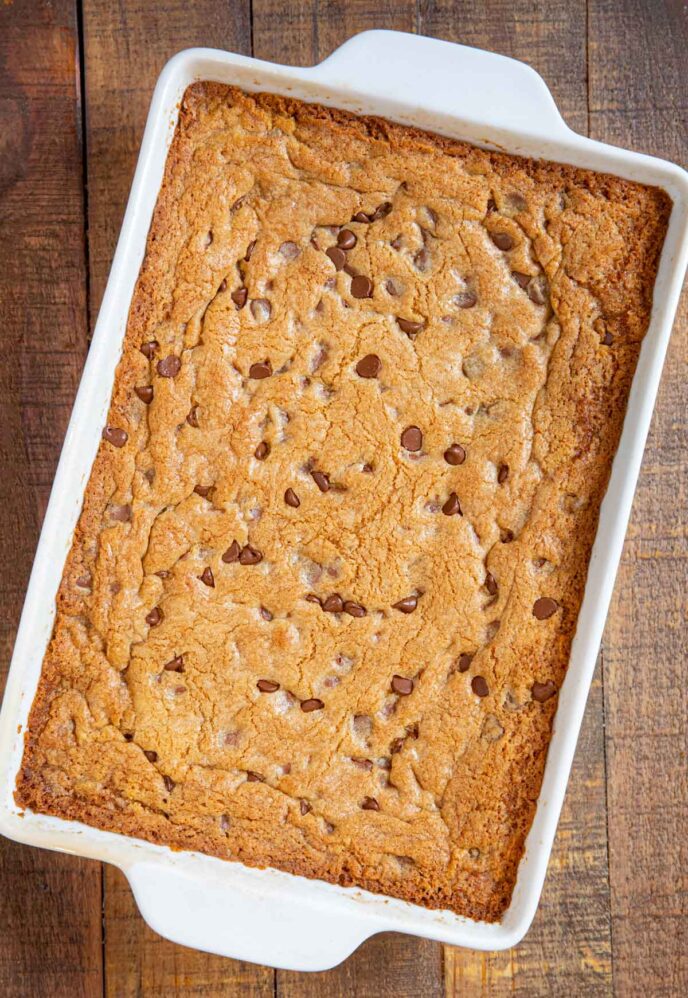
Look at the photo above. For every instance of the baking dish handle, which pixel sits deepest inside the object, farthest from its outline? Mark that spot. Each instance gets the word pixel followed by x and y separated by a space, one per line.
pixel 259 924
pixel 477 86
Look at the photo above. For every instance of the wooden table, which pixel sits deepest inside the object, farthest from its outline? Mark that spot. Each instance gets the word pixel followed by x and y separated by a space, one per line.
pixel 75 82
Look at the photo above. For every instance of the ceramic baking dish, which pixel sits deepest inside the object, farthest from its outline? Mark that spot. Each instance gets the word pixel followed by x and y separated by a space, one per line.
pixel 267 916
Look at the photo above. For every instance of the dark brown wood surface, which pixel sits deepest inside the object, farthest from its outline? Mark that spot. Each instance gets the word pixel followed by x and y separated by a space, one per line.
pixel 75 82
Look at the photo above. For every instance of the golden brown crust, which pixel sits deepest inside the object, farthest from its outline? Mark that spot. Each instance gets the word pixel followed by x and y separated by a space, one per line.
pixel 524 290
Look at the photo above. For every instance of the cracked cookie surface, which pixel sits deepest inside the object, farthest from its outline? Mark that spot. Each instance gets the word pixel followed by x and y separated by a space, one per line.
pixel 322 592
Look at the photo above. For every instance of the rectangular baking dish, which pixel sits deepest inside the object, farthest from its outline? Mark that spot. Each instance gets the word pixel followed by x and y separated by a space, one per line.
pixel 266 916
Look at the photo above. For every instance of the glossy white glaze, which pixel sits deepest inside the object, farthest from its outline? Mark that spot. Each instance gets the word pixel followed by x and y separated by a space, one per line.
pixel 263 915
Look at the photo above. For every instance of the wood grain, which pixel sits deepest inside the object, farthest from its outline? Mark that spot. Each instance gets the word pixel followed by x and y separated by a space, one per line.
pixel 138 962
pixel 570 940
pixel 547 34
pixel 303 34
pixel 49 904
pixel 639 98
pixel 125 47
pixel 614 913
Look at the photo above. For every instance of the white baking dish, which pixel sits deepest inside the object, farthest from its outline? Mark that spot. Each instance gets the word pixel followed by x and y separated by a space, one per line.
pixel 263 915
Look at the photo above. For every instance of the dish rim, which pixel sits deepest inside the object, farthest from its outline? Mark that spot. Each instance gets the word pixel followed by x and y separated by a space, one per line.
pixel 166 884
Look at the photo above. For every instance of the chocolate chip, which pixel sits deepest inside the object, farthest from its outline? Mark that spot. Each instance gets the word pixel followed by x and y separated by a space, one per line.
pixel 203 490
pixel 267 686
pixel 455 454
pixel 362 763
pixel 150 755
pixel 262 450
pixel 145 393
pixel 361 286
pixel 155 617
pixel 337 256
pixel 252 777
pixel 260 370
pixel 265 613
pixel 479 686
pixel 148 349
pixel 381 211
pixel 502 240
pixel 607 339
pixel 394 287
pixel 192 416
pixel 175 664
pixel 537 291
pixel 250 556
pixel 115 436
pixel 503 473
pixel 232 553
pixel 169 783
pixel 289 250
pixel 169 367
pixel 249 250
pixel 354 609
pixel 465 299
pixel 464 663
pixel 543 691
pixel 84 581
pixel 406 605
pixel 333 604
pixel 321 480
pixel 261 309
pixel 304 807
pixel 521 279
pixel 361 216
pixel 402 686
pixel 346 239
pixel 491 584
pixel 370 804
pixel 412 438
pixel 122 514
pixel 312 598
pixel 452 506
pixel 207 577
pixel 408 326
pixel 307 706
pixel 350 270
pixel 544 607
pixel 291 499
pixel 240 297
pixel 369 366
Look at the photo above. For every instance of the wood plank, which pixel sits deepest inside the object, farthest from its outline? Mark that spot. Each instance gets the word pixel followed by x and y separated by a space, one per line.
pixel 49 904
pixel 569 944
pixel 549 36
pixel 639 99
pixel 140 964
pixel 302 34
pixel 125 47
pixel 386 966
pixel 568 949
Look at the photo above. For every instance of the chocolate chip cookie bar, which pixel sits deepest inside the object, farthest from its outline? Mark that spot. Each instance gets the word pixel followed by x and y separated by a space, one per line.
pixel 322 592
